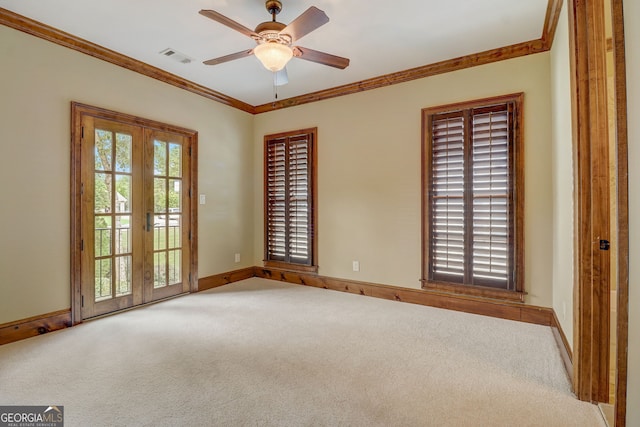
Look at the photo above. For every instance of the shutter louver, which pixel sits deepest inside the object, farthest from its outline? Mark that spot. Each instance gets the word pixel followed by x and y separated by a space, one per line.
pixel 491 194
pixel 299 203
pixel 447 194
pixel 276 200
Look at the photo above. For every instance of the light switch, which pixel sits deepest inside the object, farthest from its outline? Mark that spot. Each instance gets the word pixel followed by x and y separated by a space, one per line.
pixel 203 199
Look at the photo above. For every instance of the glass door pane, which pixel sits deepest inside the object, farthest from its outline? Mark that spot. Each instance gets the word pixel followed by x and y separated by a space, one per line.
pixel 168 240
pixel 112 206
pixel 112 193
pixel 167 213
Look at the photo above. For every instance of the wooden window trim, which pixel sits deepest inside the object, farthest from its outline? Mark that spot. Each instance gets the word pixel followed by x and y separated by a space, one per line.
pixel 313 268
pixel 518 203
pixel 291 266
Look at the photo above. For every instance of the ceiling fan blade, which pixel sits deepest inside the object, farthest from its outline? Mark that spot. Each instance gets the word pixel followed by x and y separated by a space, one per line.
pixel 310 20
pixel 212 14
pixel 281 78
pixel 230 57
pixel 320 57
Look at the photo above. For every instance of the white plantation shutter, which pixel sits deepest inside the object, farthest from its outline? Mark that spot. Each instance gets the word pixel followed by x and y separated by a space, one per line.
pixel 289 204
pixel 471 197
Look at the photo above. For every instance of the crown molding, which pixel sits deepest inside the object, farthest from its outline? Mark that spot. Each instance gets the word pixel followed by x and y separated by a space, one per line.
pixel 551 22
pixel 543 44
pixel 487 57
pixel 35 28
pixel 46 32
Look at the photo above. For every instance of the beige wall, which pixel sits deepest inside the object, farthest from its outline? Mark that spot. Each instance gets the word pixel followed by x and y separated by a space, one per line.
pixel 369 171
pixel 632 34
pixel 38 80
pixel 562 173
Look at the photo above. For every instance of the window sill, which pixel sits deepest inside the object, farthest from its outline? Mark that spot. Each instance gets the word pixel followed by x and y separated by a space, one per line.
pixel 475 291
pixel 291 266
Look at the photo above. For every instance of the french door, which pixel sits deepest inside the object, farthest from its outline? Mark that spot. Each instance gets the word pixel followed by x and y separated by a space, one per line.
pixel 135 214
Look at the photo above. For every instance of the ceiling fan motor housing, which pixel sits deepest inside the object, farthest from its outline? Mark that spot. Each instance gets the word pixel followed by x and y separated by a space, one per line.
pixel 273 6
pixel 270 32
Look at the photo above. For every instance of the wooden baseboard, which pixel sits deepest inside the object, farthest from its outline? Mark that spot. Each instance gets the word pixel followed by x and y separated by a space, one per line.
pixel 493 308
pixel 563 344
pixel 217 280
pixel 33 326
pixel 38 325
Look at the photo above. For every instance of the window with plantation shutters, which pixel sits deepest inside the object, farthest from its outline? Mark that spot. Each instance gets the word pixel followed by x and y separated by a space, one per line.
pixel 473 198
pixel 290 220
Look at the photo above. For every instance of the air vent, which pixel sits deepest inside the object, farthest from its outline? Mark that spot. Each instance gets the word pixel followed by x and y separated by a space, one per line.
pixel 176 56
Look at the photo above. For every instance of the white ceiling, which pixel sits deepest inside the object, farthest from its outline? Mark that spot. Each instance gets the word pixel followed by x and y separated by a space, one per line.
pixel 379 36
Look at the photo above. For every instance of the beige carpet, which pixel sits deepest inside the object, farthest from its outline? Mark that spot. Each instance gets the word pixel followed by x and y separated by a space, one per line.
pixel 264 353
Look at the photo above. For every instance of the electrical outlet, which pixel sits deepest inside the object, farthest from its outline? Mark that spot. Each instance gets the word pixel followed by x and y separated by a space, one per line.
pixel 237 257
pixel 356 265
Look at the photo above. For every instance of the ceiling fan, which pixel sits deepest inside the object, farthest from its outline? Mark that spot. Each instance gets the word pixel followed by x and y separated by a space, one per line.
pixel 274 39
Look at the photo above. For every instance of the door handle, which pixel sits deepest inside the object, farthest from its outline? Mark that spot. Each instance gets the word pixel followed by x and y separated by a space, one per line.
pixel 148 221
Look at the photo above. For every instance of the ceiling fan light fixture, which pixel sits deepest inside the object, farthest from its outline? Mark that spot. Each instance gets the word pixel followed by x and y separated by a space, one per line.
pixel 273 55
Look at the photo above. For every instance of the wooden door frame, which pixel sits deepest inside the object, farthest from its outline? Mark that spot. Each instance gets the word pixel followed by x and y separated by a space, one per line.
pixel 79 110
pixel 622 332
pixel 591 303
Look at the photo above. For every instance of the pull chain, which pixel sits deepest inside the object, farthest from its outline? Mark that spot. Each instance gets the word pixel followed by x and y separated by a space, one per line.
pixel 275 85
